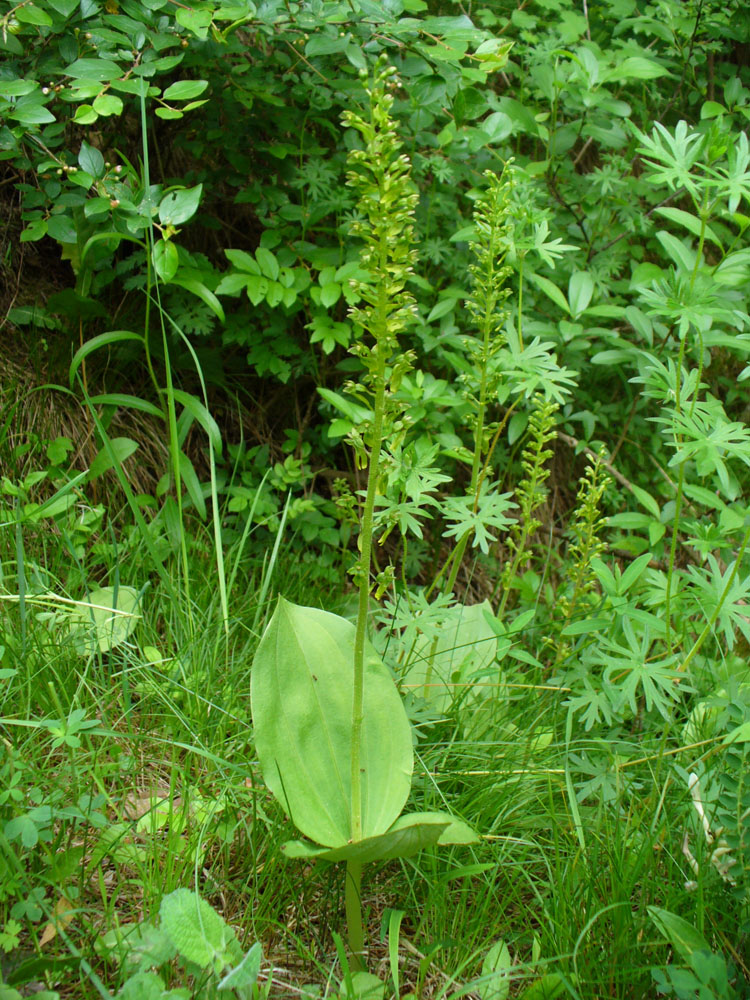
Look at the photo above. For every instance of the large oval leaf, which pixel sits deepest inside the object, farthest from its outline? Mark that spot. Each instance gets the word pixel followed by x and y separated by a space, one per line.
pixel 408 835
pixel 302 686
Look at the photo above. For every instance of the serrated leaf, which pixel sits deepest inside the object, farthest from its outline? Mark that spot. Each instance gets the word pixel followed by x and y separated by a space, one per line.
pixel 197 931
pixel 301 694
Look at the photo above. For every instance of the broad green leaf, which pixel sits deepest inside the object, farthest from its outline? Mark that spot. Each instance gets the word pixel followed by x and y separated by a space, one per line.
pixel 197 931
pixel 712 109
pixel 442 308
pixel 91 160
pixel 232 284
pixel 185 90
pixel 93 69
pixel 105 620
pixel 85 115
pixel 197 21
pixel 256 287
pixel 17 88
pixel 114 452
pixel 34 231
pixel 636 68
pixel 586 626
pixel 269 266
pixel 243 261
pixel 61 228
pixel 364 986
pixel 353 411
pixel 634 572
pixel 321 44
pixel 107 104
pixel 166 259
pixel 179 206
pixel 580 290
pixel 495 984
pixel 302 690
pixel 683 937
pixel 63 7
pixel 30 111
pixel 408 835
pixel 29 13
pixel 677 251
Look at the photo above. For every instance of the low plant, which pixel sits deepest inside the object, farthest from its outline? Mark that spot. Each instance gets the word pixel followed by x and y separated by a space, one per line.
pixel 206 948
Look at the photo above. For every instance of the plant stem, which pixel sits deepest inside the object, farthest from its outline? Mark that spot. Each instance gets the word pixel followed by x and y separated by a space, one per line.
pixel 365 548
pixel 353 906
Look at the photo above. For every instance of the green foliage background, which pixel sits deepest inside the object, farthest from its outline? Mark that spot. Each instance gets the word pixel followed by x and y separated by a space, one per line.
pixel 562 511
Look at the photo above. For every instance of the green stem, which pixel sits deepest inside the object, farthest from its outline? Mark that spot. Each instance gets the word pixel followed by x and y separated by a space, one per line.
pixel 678 409
pixel 353 906
pixel 365 549
pixel 520 300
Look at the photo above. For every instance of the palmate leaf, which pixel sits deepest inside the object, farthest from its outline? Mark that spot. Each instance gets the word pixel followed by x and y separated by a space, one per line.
pixel 302 687
pixel 444 658
pixel 408 835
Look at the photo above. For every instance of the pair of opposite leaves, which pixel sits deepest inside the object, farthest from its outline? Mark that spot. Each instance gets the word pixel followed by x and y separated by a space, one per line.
pixel 302 690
